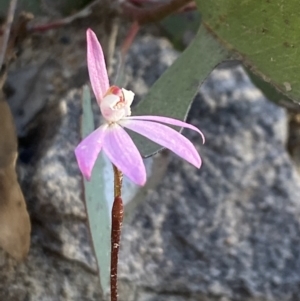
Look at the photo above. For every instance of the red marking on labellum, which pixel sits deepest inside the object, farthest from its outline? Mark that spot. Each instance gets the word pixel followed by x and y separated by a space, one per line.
pixel 115 90
pixel 116 225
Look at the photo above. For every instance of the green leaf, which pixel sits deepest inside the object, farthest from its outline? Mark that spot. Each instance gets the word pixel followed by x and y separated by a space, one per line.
pixel 270 91
pixel 97 204
pixel 173 92
pixel 264 34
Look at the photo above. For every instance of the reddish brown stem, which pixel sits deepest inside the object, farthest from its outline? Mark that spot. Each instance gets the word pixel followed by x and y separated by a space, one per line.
pixel 152 14
pixel 116 219
pixel 118 177
pixel 116 225
pixel 129 39
pixel 48 26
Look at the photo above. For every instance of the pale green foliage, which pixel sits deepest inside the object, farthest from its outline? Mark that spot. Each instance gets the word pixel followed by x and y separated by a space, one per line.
pixel 97 204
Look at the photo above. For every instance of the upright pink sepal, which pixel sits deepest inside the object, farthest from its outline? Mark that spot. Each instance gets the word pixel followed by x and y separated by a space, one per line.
pixel 96 66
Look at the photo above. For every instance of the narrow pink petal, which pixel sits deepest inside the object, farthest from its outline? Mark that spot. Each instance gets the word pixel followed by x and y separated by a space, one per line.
pixel 165 136
pixel 96 66
pixel 123 153
pixel 167 120
pixel 88 149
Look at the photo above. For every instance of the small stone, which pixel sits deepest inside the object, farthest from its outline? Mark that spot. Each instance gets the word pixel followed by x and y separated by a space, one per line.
pixel 216 289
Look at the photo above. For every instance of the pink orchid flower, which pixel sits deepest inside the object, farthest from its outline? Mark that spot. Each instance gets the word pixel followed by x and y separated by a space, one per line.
pixel 111 137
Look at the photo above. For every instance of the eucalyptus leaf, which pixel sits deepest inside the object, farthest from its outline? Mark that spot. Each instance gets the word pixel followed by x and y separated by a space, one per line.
pixel 270 91
pixel 264 34
pixel 97 204
pixel 172 94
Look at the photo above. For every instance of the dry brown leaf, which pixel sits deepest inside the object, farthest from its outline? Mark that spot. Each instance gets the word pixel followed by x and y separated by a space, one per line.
pixel 14 219
pixel 15 224
pixel 8 139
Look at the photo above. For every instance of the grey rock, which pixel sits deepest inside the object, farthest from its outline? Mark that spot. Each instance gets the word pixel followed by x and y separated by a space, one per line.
pixel 229 231
pixel 61 264
pixel 30 91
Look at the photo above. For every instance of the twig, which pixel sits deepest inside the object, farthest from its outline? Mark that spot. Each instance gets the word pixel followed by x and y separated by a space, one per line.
pixel 81 14
pixel 124 49
pixel 116 225
pixel 112 39
pixel 129 38
pixel 9 21
pixel 152 14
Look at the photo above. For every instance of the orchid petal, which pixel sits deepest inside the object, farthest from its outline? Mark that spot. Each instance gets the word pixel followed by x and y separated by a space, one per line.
pixel 88 149
pixel 165 136
pixel 167 120
pixel 96 66
pixel 128 96
pixel 123 153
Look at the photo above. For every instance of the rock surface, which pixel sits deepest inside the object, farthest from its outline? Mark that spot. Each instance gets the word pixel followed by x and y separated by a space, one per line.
pixel 229 231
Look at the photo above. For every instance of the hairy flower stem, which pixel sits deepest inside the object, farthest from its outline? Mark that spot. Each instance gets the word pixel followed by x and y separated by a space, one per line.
pixel 116 220
pixel 118 177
